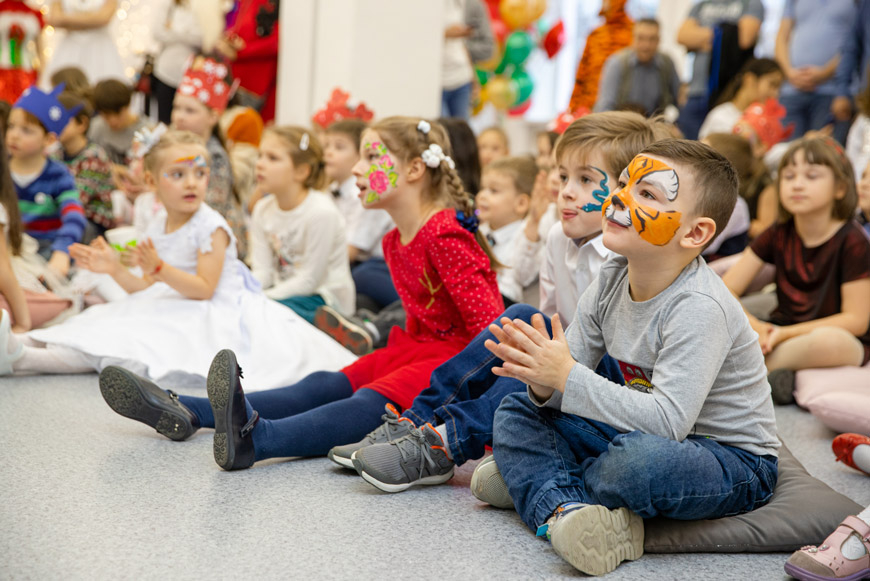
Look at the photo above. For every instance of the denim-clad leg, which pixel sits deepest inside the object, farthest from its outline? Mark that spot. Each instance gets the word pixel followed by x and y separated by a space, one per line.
pixel 312 391
pixel 692 116
pixel 463 393
pixel 548 458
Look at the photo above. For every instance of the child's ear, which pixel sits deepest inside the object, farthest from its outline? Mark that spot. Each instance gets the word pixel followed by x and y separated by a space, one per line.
pixel 699 234
pixel 839 190
pixel 49 138
pixel 302 172
pixel 149 179
pixel 415 169
pixel 522 204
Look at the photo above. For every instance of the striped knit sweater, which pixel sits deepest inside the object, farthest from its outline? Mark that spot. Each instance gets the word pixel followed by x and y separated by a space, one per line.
pixel 50 207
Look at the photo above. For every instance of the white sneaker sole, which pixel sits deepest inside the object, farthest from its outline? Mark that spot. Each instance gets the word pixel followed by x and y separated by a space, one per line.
pixel 428 481
pixel 596 540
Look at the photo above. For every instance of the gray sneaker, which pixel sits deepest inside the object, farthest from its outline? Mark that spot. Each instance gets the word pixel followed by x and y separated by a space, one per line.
pixel 596 539
pixel 393 428
pixel 781 386
pixel 488 485
pixel 418 458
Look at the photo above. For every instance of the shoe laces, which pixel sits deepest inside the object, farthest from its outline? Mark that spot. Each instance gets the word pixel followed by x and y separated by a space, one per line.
pixel 416 443
pixel 392 420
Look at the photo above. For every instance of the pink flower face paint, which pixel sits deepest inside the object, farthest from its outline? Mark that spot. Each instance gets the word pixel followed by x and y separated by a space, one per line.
pixel 654 226
pixel 381 173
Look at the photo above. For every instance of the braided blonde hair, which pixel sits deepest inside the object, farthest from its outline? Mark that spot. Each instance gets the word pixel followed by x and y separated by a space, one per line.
pixel 402 137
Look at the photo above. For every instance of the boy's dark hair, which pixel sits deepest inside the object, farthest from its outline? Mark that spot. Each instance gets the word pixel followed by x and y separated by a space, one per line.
pixel 33 120
pixel 465 154
pixel 71 100
pixel 714 177
pixel 111 95
pixel 522 169
pixel 352 128
pixel 5 108
pixel 617 135
pixel 75 81
pixel 823 151
pixel 649 21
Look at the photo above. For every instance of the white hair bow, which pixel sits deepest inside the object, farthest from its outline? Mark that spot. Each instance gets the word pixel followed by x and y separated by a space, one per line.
pixel 433 157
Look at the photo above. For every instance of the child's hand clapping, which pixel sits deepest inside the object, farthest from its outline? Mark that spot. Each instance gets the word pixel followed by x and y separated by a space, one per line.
pixel 531 356
pixel 97 257
pixel 541 198
pixel 147 257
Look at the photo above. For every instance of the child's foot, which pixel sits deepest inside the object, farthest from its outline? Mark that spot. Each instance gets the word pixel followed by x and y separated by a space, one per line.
pixel 836 558
pixel 781 386
pixel 393 428
pixel 488 486
pixel 347 331
pixel 233 442
pixel 853 450
pixel 596 539
pixel 137 398
pixel 11 348
pixel 418 458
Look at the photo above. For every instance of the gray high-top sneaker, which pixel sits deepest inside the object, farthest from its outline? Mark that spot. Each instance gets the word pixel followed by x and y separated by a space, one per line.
pixel 393 428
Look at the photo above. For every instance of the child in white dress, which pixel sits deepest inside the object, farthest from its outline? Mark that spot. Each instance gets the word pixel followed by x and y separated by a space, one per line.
pixel 196 297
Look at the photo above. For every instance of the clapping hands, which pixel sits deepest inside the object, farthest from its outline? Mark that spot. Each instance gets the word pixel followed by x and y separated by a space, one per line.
pixel 530 355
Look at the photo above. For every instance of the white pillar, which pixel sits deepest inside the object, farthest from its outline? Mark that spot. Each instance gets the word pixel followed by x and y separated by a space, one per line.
pixel 386 53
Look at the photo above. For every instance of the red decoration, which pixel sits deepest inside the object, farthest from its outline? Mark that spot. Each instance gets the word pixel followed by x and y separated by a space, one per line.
pixel 204 81
pixel 521 109
pixel 338 108
pixel 554 39
pixel 500 30
pixel 561 123
pixel 766 120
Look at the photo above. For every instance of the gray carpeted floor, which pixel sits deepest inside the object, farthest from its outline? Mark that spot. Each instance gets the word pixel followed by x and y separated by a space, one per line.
pixel 87 494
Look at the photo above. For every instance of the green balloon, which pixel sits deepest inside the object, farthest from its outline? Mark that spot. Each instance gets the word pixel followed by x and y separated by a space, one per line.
pixel 524 85
pixel 517 48
pixel 482 77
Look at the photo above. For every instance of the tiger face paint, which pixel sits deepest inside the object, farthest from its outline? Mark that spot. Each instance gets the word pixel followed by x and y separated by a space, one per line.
pixel 646 179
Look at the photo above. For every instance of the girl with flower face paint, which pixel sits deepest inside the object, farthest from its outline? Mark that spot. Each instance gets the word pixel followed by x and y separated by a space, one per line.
pixel 447 287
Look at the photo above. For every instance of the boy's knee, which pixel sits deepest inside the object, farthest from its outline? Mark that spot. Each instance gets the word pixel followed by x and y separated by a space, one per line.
pixel 520 311
pixel 512 406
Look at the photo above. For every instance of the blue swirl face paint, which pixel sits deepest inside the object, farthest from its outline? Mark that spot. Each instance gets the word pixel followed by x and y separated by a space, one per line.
pixel 599 195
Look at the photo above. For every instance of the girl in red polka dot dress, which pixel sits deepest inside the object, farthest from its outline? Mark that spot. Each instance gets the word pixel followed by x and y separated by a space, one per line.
pixel 442 270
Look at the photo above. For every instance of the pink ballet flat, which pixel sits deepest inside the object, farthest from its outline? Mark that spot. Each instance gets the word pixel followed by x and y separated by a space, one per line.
pixel 826 562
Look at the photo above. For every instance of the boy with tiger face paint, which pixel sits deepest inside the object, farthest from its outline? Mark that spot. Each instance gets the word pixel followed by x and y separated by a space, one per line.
pixel 691 434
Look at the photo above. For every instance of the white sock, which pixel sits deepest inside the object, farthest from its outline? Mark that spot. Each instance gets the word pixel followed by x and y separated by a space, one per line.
pixel 12 343
pixel 442 431
pixel 853 548
pixel 372 331
pixel 54 359
pixel 861 458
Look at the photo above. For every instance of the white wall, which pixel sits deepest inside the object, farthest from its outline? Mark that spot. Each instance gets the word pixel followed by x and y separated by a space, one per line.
pixel 386 53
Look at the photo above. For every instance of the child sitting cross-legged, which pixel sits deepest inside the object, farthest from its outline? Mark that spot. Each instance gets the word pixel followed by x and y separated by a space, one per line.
pixel 692 434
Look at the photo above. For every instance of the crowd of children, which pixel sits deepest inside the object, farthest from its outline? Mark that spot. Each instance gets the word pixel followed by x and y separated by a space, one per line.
pixel 380 272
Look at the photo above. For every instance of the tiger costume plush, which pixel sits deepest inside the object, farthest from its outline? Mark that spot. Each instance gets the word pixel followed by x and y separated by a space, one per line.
pixel 612 36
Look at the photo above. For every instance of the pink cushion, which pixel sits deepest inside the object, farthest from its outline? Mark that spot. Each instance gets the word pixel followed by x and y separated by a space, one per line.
pixel 838 396
pixel 43 307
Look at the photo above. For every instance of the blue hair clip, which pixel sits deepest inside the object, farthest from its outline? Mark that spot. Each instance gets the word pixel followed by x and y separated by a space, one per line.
pixel 470 222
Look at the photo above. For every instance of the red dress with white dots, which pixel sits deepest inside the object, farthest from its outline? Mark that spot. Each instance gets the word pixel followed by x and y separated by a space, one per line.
pixel 449 293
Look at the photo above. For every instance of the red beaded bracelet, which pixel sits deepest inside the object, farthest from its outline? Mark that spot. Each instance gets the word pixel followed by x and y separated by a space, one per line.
pixel 156 270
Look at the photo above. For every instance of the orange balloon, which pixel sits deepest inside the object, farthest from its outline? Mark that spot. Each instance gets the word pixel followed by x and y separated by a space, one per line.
pixel 537 8
pixel 516 13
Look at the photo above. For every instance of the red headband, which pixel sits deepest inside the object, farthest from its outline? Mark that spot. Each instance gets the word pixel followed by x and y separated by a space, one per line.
pixel 766 120
pixel 338 109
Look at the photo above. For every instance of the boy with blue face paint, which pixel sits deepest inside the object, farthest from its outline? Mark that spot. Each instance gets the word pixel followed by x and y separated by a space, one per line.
pixel 691 434
pixel 451 422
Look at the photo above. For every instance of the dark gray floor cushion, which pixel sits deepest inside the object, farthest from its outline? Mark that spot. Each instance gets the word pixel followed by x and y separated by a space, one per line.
pixel 803 511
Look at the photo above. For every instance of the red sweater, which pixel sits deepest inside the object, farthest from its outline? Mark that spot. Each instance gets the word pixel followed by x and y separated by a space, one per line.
pixel 444 279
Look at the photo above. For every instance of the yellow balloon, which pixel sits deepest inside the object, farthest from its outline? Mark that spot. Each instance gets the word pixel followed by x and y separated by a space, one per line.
pixel 501 92
pixel 537 8
pixel 481 101
pixel 516 13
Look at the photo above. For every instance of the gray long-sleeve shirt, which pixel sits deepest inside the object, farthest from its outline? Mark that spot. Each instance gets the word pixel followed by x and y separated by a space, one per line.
pixel 691 362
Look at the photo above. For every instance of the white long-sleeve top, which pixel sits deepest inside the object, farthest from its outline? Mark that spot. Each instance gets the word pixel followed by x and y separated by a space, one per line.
pixel 302 251
pixel 530 255
pixel 568 269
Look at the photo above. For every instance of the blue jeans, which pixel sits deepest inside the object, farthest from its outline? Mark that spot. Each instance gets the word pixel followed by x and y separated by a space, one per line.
pixel 307 418
pixel 548 458
pixel 304 306
pixel 692 116
pixel 372 279
pixel 456 102
pixel 463 393
pixel 811 111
